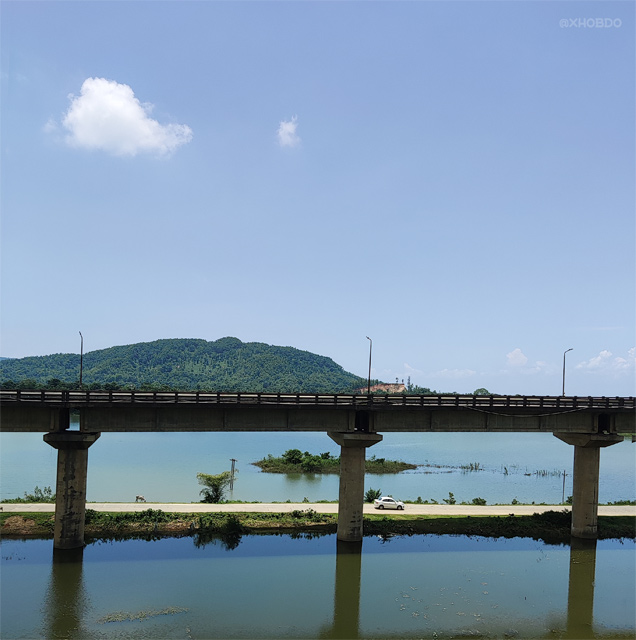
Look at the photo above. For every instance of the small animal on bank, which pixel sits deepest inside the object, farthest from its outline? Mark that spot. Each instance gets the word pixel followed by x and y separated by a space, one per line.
pixel 140 499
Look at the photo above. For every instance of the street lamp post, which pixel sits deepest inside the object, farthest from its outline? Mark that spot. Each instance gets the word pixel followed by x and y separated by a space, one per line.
pixel 563 390
pixel 81 357
pixel 369 379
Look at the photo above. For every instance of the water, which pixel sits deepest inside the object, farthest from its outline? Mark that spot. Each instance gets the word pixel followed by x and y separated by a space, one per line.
pixel 163 466
pixel 281 587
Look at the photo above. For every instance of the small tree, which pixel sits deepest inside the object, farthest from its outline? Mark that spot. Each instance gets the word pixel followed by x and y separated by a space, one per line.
pixel 214 486
pixel 372 494
pixel 293 456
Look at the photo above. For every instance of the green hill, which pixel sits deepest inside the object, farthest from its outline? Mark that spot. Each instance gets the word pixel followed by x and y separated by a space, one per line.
pixel 185 364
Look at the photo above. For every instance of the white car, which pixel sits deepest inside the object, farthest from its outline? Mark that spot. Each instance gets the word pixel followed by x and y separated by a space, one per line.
pixel 387 502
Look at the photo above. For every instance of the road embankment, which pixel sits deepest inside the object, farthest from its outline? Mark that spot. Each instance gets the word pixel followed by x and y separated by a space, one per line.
pixel 319 507
pixel 120 520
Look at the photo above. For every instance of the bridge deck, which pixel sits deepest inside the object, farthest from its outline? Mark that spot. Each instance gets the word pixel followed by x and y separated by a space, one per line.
pixel 103 411
pixel 80 399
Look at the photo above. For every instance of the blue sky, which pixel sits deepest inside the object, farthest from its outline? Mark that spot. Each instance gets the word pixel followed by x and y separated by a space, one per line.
pixel 454 180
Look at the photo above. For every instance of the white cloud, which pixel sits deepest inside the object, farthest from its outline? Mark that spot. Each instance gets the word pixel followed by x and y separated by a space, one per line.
pixel 516 358
pixel 50 126
pixel 409 369
pixel 605 363
pixel 107 116
pixel 287 136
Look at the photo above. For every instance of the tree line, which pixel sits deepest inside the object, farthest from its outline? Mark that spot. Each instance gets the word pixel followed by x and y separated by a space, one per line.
pixel 224 365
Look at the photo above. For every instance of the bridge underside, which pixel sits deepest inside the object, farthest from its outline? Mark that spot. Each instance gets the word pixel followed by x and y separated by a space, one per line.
pixel 177 418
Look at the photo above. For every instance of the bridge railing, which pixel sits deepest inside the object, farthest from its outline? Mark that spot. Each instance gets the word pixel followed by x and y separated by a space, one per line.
pixel 103 397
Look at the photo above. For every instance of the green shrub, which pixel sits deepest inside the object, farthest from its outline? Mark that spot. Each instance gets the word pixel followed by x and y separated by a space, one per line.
pixel 214 486
pixel 38 495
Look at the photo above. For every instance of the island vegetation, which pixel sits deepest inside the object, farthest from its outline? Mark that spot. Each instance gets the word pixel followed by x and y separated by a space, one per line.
pixel 296 461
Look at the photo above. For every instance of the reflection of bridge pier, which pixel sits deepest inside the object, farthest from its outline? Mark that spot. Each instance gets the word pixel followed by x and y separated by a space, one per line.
pixel 66 600
pixel 346 602
pixel 580 618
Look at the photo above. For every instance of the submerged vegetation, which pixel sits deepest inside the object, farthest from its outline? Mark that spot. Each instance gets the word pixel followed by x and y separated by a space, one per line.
pixel 126 616
pixel 295 461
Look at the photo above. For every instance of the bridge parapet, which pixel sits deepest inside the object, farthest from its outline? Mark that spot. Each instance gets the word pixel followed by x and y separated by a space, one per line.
pixel 392 401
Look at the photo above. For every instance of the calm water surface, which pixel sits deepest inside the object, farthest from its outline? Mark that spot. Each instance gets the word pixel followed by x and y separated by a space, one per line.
pixel 281 587
pixel 163 466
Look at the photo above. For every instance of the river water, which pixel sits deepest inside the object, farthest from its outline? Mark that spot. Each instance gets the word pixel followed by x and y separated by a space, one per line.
pixel 163 466
pixel 285 587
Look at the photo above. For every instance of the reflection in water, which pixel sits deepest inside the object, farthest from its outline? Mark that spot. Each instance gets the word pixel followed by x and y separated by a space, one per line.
pixel 580 611
pixel 229 540
pixel 462 592
pixel 66 600
pixel 580 623
pixel 346 603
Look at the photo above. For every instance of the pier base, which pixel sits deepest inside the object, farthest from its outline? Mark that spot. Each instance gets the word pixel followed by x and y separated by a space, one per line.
pixel 70 503
pixel 587 453
pixel 351 492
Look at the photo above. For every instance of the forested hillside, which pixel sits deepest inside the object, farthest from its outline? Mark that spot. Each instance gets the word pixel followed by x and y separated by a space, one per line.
pixel 185 364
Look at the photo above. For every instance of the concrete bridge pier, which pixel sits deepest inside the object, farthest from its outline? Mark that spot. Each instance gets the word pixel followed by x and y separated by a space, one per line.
pixel 587 453
pixel 70 503
pixel 351 491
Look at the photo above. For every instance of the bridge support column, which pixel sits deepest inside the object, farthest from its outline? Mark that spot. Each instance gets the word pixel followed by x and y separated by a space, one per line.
pixel 351 492
pixel 587 453
pixel 72 467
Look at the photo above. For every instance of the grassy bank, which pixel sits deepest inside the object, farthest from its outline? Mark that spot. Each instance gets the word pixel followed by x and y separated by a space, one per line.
pixel 552 526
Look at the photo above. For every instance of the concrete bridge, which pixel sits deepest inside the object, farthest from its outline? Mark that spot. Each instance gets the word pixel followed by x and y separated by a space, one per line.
pixel 355 422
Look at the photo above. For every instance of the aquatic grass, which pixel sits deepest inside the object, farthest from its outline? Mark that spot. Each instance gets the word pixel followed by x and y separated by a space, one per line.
pixel 124 616
pixel 472 466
